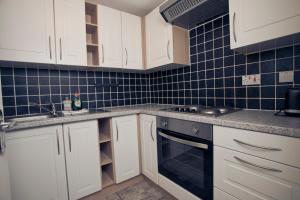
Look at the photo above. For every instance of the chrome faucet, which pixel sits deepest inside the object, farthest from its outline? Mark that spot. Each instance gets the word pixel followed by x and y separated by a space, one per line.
pixel 52 111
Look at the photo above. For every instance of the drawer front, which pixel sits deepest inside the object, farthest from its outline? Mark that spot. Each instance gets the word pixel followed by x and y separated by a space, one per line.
pixel 236 174
pixel 273 147
pixel 220 195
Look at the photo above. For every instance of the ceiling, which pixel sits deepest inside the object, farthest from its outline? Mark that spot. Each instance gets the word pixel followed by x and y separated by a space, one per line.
pixel 136 7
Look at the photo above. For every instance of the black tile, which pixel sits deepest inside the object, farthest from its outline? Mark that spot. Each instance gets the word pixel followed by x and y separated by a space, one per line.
pixel 252 58
pixel 20 90
pixel 267 55
pixel 9 111
pixel 241 103
pixel 200 30
pixel 252 68
pixel 20 80
pixel 284 64
pixel 284 52
pixel 268 79
pixel 6 71
pixel 208 26
pixel 268 66
pixel 281 90
pixel 240 70
pixel 268 92
pixel 7 80
pixel 217 23
pixel 253 92
pixel 240 92
pixel 229 71
pixel 22 110
pixel 240 59
pixel 8 101
pixel 19 72
pixel 192 32
pixel 253 104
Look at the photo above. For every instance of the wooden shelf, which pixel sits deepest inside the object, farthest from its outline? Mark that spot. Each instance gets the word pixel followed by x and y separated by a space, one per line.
pixel 105 159
pixel 106 179
pixel 104 138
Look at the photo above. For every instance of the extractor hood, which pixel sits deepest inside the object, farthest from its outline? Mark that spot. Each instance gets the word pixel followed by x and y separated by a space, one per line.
pixel 188 13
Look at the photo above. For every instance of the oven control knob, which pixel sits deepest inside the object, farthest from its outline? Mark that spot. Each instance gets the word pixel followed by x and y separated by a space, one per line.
pixel 164 124
pixel 195 131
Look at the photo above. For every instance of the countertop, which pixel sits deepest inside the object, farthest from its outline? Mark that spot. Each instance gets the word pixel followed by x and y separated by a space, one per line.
pixel 262 121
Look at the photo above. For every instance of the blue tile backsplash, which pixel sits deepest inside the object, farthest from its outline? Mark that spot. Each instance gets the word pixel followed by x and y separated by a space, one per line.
pixel 214 79
pixel 215 75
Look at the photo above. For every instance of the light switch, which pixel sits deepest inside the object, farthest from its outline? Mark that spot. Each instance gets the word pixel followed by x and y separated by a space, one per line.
pixel 286 76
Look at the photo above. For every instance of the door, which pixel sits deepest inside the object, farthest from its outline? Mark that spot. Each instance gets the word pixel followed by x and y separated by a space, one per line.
pixel 126 150
pixel 251 178
pixel 37 164
pixel 159 40
pixel 5 192
pixel 27 31
pixel 256 21
pixel 132 41
pixel 82 158
pixel 149 147
pixel 70 32
pixel 110 37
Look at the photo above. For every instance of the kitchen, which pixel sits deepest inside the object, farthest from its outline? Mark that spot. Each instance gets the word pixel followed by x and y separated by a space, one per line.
pixel 177 99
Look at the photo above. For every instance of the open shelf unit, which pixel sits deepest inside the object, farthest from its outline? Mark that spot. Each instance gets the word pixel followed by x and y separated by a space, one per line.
pixel 91 34
pixel 106 152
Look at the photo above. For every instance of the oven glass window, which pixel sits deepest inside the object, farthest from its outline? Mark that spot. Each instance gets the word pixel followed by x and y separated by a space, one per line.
pixel 188 166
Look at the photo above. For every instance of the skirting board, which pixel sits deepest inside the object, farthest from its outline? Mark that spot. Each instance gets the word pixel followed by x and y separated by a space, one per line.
pixel 175 190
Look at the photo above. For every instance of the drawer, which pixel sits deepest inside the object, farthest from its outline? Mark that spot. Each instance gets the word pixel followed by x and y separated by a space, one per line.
pixel 220 195
pixel 273 147
pixel 248 177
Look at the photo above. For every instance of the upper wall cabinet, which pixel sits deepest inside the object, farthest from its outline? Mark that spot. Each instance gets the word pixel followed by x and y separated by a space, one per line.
pixel 28 31
pixel 70 32
pixel 165 43
pixel 132 41
pixel 119 39
pixel 256 21
pixel 110 37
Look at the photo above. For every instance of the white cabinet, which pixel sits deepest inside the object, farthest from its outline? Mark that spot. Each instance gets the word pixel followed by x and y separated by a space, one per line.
pixel 149 147
pixel 256 21
pixel 36 162
pixel 132 41
pixel 120 39
pixel 126 149
pixel 110 37
pixel 165 43
pixel 43 31
pixel 27 31
pixel 251 178
pixel 82 158
pixel 220 195
pixel 70 32
pixel 5 192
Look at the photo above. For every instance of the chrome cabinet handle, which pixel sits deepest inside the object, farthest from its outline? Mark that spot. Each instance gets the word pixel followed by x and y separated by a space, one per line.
pixel 126 56
pixel 102 53
pixel 151 130
pixel 60 48
pixel 256 146
pixel 186 142
pixel 50 48
pixel 117 131
pixel 57 140
pixel 70 140
pixel 233 26
pixel 256 165
pixel 168 49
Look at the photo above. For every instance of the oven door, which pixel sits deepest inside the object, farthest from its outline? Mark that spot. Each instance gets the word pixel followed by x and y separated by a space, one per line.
pixel 187 161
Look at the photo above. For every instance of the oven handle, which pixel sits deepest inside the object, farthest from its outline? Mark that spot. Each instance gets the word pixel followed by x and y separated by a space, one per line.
pixel 186 142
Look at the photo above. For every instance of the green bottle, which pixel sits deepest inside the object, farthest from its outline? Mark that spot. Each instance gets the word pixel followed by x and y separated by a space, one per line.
pixel 76 101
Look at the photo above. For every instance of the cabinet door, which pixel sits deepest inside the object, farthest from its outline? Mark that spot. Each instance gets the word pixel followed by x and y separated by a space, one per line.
pixel 70 32
pixel 159 40
pixel 149 147
pixel 256 21
pixel 110 37
pixel 126 150
pixel 251 178
pixel 37 164
pixel 132 41
pixel 82 158
pixel 27 31
pixel 5 192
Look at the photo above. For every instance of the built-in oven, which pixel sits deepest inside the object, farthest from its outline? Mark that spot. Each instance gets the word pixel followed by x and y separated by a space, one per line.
pixel 185 155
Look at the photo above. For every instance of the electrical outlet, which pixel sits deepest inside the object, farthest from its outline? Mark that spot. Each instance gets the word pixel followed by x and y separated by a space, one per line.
pixel 253 79
pixel 286 76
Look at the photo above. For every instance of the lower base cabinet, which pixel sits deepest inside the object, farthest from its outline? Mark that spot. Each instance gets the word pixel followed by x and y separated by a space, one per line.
pixel 126 147
pixel 36 163
pixel 54 162
pixel 248 177
pixel 220 195
pixel 149 147
pixel 82 158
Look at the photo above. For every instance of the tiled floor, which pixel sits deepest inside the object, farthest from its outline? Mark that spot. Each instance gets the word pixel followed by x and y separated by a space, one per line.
pixel 143 189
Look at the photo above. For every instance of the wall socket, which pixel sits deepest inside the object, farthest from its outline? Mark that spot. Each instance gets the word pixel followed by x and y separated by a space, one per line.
pixel 253 79
pixel 286 77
